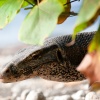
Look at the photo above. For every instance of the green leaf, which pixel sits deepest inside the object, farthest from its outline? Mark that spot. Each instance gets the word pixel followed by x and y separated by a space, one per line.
pixel 40 22
pixel 63 1
pixel 8 11
pixel 2 2
pixel 25 4
pixel 66 13
pixel 95 43
pixel 32 2
pixel 88 14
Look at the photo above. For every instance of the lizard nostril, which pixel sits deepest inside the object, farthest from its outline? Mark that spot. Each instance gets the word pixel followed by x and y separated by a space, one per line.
pixel 1 78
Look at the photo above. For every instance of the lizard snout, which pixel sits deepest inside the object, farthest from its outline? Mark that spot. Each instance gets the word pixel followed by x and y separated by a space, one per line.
pixel 0 76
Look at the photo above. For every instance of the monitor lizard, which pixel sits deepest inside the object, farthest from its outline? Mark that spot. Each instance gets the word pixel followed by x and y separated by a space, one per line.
pixel 54 60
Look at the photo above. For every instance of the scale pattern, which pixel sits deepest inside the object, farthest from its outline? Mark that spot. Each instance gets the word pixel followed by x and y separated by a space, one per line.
pixel 55 60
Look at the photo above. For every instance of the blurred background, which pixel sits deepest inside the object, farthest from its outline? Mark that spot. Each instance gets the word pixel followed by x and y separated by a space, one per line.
pixel 39 89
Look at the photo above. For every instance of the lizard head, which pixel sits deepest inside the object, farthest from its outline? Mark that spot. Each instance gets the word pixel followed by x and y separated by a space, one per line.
pixel 45 62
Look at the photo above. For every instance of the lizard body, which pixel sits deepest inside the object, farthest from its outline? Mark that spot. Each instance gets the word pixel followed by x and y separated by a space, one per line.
pixel 54 60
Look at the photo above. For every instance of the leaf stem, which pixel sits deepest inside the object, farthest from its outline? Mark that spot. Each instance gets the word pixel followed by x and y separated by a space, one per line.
pixel 71 13
pixel 71 2
pixel 28 8
pixel 29 3
pixel 37 2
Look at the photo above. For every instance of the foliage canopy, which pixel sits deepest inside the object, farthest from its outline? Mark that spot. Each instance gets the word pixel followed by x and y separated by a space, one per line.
pixel 45 14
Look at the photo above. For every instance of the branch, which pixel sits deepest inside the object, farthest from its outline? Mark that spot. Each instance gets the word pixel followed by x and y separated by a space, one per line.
pixel 71 2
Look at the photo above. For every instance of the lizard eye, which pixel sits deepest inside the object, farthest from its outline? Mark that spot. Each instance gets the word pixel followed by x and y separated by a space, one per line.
pixel 7 71
pixel 35 57
pixel 59 56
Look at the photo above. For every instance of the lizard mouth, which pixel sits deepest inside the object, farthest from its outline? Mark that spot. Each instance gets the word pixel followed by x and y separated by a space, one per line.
pixel 1 78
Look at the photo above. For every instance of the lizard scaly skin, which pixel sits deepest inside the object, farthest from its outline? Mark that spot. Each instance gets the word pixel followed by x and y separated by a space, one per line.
pixel 53 61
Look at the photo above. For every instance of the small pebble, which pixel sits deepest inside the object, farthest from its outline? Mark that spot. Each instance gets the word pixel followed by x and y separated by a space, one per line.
pixel 18 98
pixel 64 97
pixel 14 96
pixel 24 94
pixel 41 96
pixel 34 95
pixel 79 94
pixel 50 98
pixel 92 96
